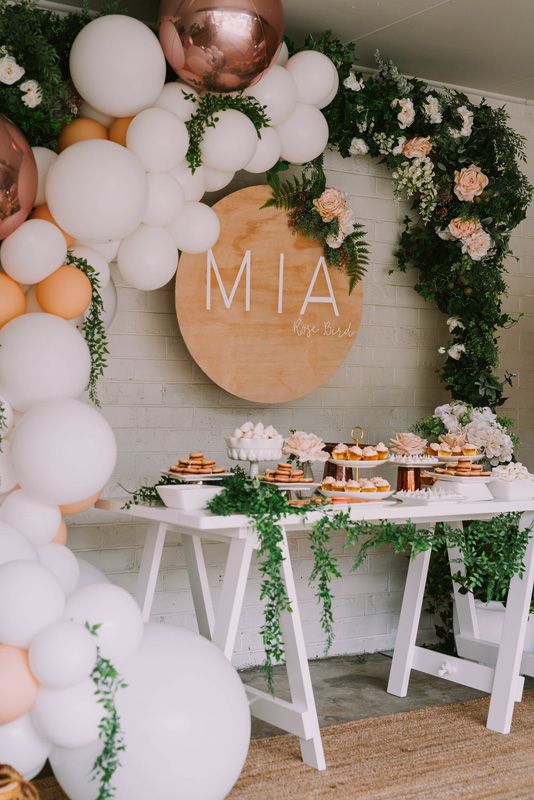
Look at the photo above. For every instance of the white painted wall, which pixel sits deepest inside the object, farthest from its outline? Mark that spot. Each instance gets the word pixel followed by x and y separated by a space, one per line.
pixel 161 406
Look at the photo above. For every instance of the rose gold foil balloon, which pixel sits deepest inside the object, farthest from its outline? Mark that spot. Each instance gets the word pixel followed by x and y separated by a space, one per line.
pixel 18 178
pixel 221 45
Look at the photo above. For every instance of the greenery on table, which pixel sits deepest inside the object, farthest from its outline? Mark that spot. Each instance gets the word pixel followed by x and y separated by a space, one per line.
pixel 107 683
pixel 148 495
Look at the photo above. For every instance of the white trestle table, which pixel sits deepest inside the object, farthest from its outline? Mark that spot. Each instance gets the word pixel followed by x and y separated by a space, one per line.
pixel 496 669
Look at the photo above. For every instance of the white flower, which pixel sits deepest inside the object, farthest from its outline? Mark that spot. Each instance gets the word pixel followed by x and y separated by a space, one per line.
pixel 397 151
pixel 441 351
pixel 352 82
pixel 477 245
pixel 346 223
pixel 32 94
pixel 432 110
pixel 335 240
pixel 407 113
pixel 358 147
pixel 453 323
pixel 456 351
pixel 485 415
pixel 10 71
pixel 305 446
pixel 467 123
pixel 445 234
pixel 492 439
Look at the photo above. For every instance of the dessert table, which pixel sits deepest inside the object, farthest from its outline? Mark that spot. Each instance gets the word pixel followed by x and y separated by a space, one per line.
pixel 501 666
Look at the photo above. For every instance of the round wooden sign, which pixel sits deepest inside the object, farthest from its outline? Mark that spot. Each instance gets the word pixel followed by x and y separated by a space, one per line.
pixel 261 313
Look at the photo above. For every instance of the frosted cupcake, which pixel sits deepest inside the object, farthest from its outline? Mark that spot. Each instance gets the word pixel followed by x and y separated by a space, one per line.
pixel 370 454
pixel 444 450
pixel 382 451
pixel 340 452
pixel 353 486
pixel 469 450
pixel 432 449
pixel 381 484
pixel 339 486
pixel 367 486
pixel 328 483
pixel 355 453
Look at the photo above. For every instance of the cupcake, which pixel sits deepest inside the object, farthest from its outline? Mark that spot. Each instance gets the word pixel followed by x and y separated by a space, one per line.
pixel 381 484
pixel 367 486
pixel 444 450
pixel 370 454
pixel 328 483
pixel 355 453
pixel 469 450
pixel 339 486
pixel 432 449
pixel 353 486
pixel 382 451
pixel 340 452
pixel 457 451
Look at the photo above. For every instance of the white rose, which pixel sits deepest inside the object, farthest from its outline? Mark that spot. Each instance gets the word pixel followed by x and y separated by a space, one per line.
pixel 335 240
pixel 467 123
pixel 358 147
pixel 485 415
pixel 407 113
pixel 453 323
pixel 432 110
pixel 352 82
pixel 10 71
pixel 456 351
pixel 397 150
pixel 477 245
pixel 32 94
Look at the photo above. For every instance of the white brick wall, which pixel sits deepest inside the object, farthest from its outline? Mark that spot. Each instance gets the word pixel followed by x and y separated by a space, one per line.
pixel 161 405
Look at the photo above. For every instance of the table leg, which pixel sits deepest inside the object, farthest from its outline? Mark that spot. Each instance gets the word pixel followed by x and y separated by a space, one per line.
pixel 149 567
pixel 512 642
pixel 412 603
pixel 198 580
pixel 233 594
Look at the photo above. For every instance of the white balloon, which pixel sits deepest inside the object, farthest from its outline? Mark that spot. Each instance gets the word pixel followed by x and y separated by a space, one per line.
pixel 90 574
pixel 108 250
pixel 62 655
pixel 8 479
pixel 117 614
pixel 267 152
pixel 14 546
pixel 68 717
pixel 89 112
pixel 158 138
pixel 109 300
pixel 31 598
pixel 216 180
pixel 63 451
pixel 196 228
pixel 117 65
pixel 32 304
pixel 96 190
pixel 304 135
pixel 148 258
pixel 44 158
pixel 41 357
pixel 193 184
pixel 165 199
pixel 182 696
pixel 33 251
pixel 315 76
pixel 37 521
pixel 231 143
pixel 172 99
pixel 277 91
pixel 283 55
pixel 23 747
pixel 95 260
pixel 62 562
pixel 328 99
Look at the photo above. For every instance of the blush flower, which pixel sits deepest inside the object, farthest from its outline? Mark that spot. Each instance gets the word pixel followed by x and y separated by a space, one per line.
pixel 331 204
pixel 358 147
pixel 418 147
pixel 469 183
pixel 305 446
pixel 406 114
pixel 461 228
pixel 477 245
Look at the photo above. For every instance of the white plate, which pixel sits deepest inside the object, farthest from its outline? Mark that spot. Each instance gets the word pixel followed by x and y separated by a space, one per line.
pixel 417 464
pixel 197 478
pixel 364 497
pixel 290 487
pixel 188 498
pixel 461 478
pixel 447 459
pixel 425 500
pixel 358 464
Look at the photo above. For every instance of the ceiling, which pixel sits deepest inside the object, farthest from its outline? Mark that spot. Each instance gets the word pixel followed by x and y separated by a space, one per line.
pixel 483 44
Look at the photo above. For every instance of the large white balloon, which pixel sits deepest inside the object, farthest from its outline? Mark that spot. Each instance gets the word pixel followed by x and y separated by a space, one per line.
pixel 89 574
pixel 23 747
pixel 96 190
pixel 37 521
pixel 117 614
pixel 8 479
pixel 63 451
pixel 277 91
pixel 193 184
pixel 89 112
pixel 95 260
pixel 283 55
pixel 109 300
pixel 14 546
pixel 68 717
pixel 42 356
pixel 62 562
pixel 165 199
pixel 108 250
pixel 182 697
pixel 44 158
pixel 117 65
pixel 148 258
pixel 267 152
pixel 30 599
pixel 158 138
pixel 32 304
pixel 62 655
pixel 172 98
pixel 196 228
pixel 33 251
pixel 231 143
pixel 315 77
pixel 216 180
pixel 304 135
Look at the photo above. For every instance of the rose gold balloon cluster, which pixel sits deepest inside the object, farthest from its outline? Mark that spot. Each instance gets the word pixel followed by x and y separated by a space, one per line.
pixel 18 178
pixel 221 45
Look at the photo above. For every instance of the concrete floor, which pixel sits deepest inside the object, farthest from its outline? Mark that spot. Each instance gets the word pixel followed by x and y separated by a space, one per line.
pixel 353 687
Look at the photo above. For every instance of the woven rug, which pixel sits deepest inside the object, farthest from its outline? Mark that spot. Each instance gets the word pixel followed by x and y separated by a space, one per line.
pixel 441 753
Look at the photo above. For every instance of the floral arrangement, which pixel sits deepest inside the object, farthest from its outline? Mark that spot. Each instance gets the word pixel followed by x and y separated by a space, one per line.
pixel 304 448
pixel 408 444
pixel 457 423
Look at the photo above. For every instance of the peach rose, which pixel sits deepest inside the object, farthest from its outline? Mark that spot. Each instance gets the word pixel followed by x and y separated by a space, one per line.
pixel 418 147
pixel 469 182
pixel 330 204
pixel 460 228
pixel 477 245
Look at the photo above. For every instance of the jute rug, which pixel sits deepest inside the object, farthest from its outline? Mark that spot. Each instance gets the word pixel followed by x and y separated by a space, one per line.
pixel 441 753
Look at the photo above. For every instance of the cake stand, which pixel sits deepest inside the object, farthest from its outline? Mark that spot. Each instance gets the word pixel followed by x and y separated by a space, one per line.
pixel 254 450
pixel 409 472
pixel 345 467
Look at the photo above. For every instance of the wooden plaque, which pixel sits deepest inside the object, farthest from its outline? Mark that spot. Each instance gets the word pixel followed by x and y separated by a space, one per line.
pixel 261 313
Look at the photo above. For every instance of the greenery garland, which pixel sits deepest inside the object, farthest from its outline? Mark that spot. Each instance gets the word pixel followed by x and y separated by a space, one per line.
pixel 148 495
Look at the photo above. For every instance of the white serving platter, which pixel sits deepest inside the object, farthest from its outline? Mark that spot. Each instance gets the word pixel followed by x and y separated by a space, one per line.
pixel 461 478
pixel 428 498
pixel 197 478
pixel 397 462
pixel 291 487
pixel 362 497
pixel 448 459
pixel 358 464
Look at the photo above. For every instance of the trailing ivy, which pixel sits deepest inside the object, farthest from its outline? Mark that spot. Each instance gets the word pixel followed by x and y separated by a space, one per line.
pixel 325 568
pixel 148 495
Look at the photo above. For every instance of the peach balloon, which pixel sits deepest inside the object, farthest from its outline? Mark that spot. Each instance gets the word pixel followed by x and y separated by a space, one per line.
pixel 80 130
pixel 66 292
pixel 12 300
pixel 61 535
pixel 43 212
pixel 83 505
pixel 118 130
pixel 18 687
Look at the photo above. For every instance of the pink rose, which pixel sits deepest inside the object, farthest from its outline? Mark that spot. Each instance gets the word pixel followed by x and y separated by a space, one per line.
pixel 418 147
pixel 407 113
pixel 305 446
pixel 477 245
pixel 330 204
pixel 469 183
pixel 461 228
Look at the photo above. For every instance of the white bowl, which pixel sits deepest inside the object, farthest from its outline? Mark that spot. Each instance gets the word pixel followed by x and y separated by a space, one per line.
pixel 512 490
pixel 188 498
